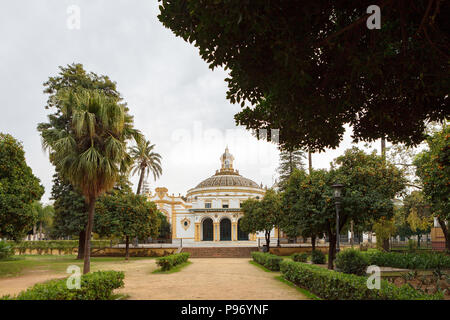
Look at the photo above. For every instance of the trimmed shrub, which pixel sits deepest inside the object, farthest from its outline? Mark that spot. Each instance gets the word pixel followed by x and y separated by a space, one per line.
pixel 317 257
pixel 300 257
pixel 270 261
pixel 168 262
pixel 351 261
pixel 333 285
pixel 53 246
pixel 94 286
pixel 6 250
pixel 421 261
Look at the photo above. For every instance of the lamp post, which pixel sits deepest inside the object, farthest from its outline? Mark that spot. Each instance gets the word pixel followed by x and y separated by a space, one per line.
pixel 337 187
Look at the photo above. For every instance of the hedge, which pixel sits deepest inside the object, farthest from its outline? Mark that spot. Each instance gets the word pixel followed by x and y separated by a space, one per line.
pixel 300 257
pixel 408 260
pixel 94 286
pixel 270 261
pixel 333 285
pixel 168 262
pixel 6 250
pixel 48 246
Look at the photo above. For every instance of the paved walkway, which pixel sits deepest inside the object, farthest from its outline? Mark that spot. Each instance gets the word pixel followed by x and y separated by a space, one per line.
pixel 205 278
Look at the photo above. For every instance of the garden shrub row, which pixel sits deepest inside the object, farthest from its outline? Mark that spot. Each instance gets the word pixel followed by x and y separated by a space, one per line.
pixel 419 261
pixel 300 257
pixel 333 285
pixel 168 262
pixel 94 286
pixel 270 261
pixel 51 246
pixel 6 250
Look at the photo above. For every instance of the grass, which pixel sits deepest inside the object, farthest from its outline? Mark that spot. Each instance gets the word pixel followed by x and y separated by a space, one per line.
pixel 177 268
pixel 305 292
pixel 18 265
pixel 260 266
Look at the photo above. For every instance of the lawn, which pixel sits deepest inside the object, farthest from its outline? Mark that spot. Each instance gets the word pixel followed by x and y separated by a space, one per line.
pixel 18 265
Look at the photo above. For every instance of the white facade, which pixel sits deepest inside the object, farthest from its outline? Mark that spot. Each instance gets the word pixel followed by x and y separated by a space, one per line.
pixel 210 212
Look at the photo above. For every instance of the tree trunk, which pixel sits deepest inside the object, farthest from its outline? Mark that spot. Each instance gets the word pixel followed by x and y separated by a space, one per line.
pixel 34 232
pixel 309 161
pixel 383 148
pixel 386 245
pixel 446 234
pixel 87 243
pixel 331 250
pixel 127 247
pixel 313 242
pixel 267 236
pixel 418 240
pixel 278 238
pixel 40 230
pixel 141 181
pixel 81 242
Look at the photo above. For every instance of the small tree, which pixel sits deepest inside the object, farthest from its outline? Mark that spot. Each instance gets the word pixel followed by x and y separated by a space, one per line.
pixel 262 216
pixel 434 171
pixel 145 161
pixel 124 214
pixel 289 161
pixel 19 187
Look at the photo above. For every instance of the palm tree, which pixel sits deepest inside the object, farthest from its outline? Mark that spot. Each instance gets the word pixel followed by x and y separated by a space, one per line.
pixel 44 217
pixel 91 153
pixel 145 161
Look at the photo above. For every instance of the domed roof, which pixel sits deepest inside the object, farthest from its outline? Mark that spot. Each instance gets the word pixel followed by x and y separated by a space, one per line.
pixel 227 180
pixel 227 176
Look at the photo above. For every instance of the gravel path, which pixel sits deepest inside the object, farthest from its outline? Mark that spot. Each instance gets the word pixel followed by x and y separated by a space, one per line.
pixel 205 278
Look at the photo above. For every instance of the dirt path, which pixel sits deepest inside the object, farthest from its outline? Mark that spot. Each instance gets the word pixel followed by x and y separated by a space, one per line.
pixel 205 278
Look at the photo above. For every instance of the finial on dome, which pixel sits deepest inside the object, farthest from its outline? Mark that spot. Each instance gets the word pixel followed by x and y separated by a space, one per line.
pixel 227 160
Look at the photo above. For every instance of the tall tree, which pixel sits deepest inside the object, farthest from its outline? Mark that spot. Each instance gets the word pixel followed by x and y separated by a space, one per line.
pixel 434 171
pixel 70 216
pixel 70 212
pixel 262 215
pixel 19 187
pixel 309 67
pixel 91 153
pixel 145 161
pixel 289 161
pixel 44 217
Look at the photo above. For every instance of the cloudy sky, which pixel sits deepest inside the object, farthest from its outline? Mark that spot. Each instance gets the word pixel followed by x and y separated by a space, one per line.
pixel 177 101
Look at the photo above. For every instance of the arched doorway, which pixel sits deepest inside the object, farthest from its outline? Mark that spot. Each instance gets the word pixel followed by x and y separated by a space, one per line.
pixel 207 227
pixel 225 230
pixel 242 236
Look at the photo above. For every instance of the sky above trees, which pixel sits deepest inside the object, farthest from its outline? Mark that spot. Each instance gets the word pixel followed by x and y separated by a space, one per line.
pixel 177 101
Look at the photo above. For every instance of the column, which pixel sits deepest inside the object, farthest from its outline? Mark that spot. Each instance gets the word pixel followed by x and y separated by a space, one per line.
pixel 197 232
pixel 234 231
pixel 216 231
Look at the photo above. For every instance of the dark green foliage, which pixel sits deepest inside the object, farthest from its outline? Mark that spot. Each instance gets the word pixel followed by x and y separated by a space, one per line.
pixel 300 257
pixel 19 187
pixel 54 246
pixel 332 285
pixel 289 160
pixel 70 209
pixel 165 228
pixel 309 67
pixel 270 261
pixel 351 261
pixel 94 286
pixel 317 257
pixel 6 250
pixel 408 260
pixel 168 262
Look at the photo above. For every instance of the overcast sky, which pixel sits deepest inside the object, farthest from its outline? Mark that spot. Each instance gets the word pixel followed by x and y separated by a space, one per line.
pixel 177 101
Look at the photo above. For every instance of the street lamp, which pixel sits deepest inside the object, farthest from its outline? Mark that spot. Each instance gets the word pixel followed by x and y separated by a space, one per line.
pixel 337 187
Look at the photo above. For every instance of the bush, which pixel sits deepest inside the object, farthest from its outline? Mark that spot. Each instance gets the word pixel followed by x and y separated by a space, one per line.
pixel 94 286
pixel 6 250
pixel 49 246
pixel 351 261
pixel 168 262
pixel 270 261
pixel 317 257
pixel 300 257
pixel 421 261
pixel 333 285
